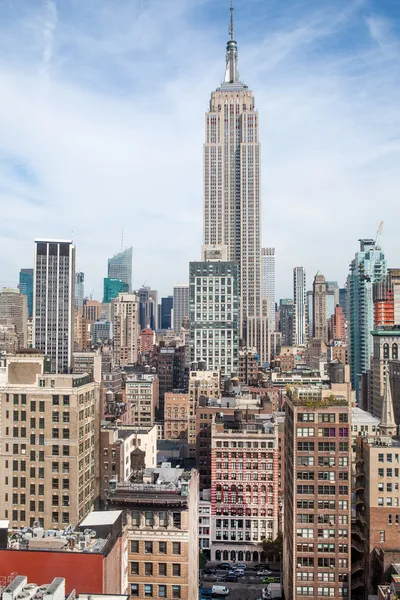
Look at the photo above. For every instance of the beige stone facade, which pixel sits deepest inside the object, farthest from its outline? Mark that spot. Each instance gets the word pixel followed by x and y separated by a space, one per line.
pixel 125 320
pixel 49 443
pixel 176 416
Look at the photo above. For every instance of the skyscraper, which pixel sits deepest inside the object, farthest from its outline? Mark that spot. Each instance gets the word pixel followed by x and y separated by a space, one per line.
pixel 26 287
pixel 300 306
pixel 286 320
pixel 268 280
pixel 147 308
pixel 181 305
pixel 53 301
pixel 367 267
pixel 214 325
pixel 120 267
pixel 113 287
pixel 319 308
pixel 167 305
pixel 232 186
pixel 14 311
pixel 125 322
pixel 79 291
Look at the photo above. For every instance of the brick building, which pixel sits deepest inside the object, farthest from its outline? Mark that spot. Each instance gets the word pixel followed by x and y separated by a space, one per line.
pixel 142 394
pixel 176 415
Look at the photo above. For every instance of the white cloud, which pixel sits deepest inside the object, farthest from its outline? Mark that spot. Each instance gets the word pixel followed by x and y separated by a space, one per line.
pixel 114 135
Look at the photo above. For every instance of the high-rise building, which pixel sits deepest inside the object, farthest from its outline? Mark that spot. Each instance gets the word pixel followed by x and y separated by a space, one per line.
pixel 161 533
pixel 332 297
pixel 142 394
pixel 202 384
pixel 176 416
pixel 317 499
pixel 125 325
pixel 101 331
pixel 113 287
pixel 147 308
pixel 386 298
pixel 268 280
pixel 300 306
pixel 167 304
pixel 181 305
pixel 244 486
pixel 286 321
pixel 120 267
pixel 214 315
pixel 26 287
pixel 14 311
pixel 337 325
pixel 367 267
pixel 53 301
pixel 49 450
pixel 319 308
pixel 386 344
pixel 310 313
pixel 79 290
pixel 232 182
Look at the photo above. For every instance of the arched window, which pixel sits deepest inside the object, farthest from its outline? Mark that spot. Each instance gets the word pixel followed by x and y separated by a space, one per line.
pixel 225 555
pixel 395 351
pixel 233 555
pixel 385 350
pixel 218 555
pixel 255 556
pixel 240 555
pixel 248 556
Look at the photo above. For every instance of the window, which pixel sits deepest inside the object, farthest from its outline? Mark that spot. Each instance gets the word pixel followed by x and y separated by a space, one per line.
pixel 55 451
pixel 305 431
pixel 176 591
pixel 148 568
pixel 135 590
pixel 381 536
pixel 326 591
pixel 176 547
pixel 149 521
pixel 162 569
pixel 134 546
pixel 148 547
pixel 162 591
pixel 305 417
pixel 135 515
pixel 148 591
pixel 163 518
pixel 65 450
pixel 162 547
pixel 304 590
pixel 177 519
pixel 176 570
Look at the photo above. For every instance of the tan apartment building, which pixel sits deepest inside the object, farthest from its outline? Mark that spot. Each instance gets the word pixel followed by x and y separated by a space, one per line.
pixel 91 311
pixel 49 443
pixel 317 498
pixel 125 450
pixel 176 416
pixel 162 533
pixel 244 486
pixel 248 366
pixel 142 397
pixel 125 322
pixel 202 384
pixel 14 310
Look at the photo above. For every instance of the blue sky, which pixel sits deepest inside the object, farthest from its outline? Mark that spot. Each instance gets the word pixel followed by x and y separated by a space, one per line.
pixel 102 125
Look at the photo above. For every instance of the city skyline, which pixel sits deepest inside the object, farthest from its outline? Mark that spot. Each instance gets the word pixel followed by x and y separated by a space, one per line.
pixel 303 113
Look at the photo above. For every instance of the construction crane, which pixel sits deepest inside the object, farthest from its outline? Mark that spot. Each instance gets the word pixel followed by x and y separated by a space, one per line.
pixel 378 233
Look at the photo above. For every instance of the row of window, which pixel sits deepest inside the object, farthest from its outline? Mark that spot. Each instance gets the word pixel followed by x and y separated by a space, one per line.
pixel 323 447
pixel 326 490
pixel 308 561
pixel 149 547
pixel 322 417
pixel 324 519
pixel 323 548
pixel 149 568
pixel 322 431
pixel 321 576
pixel 322 591
pixel 323 461
pixel 244 444
pixel 322 533
pixel 155 591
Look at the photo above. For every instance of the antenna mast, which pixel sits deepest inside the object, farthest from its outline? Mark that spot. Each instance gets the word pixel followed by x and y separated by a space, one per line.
pixel 231 26
pixel 122 240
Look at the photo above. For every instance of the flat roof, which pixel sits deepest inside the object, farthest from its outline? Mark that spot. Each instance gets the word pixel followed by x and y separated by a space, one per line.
pixel 98 517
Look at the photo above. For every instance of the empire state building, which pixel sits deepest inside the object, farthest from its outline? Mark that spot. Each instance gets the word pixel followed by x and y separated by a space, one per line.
pixel 232 203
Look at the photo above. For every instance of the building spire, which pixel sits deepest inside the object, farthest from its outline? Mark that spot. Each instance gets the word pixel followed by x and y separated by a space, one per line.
pixel 232 73
pixel 388 424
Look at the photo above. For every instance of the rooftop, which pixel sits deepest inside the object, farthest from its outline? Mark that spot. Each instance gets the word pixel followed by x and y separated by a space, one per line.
pixel 98 517
pixel 20 588
pixel 362 417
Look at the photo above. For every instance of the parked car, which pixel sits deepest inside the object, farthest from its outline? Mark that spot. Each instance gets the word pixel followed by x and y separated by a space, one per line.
pixel 263 572
pixel 209 571
pixel 261 566
pixel 206 592
pixel 220 590
pixel 224 566
pixel 238 572
pixel 271 579
pixel 240 566
pixel 232 578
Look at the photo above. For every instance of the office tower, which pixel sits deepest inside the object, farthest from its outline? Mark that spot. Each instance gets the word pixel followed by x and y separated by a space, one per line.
pixel 319 308
pixel 147 308
pixel 176 416
pixel 181 305
pixel 286 321
pixel 337 325
pixel 91 310
pixel 300 306
pixel 53 301
pixel 79 290
pixel 232 182
pixel 268 280
pixel 162 533
pixel 14 311
pixel 120 267
pixel 167 304
pixel 48 455
pixel 310 313
pixel 244 486
pixel 101 331
pixel 343 299
pixel 214 315
pixel 142 396
pixel 317 499
pixel 386 298
pixel 332 297
pixel 125 326
pixel 26 287
pixel 367 267
pixel 248 366
pixel 112 287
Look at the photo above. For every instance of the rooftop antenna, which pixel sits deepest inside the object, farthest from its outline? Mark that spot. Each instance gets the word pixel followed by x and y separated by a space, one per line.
pixel 72 235
pixel 122 240
pixel 231 26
